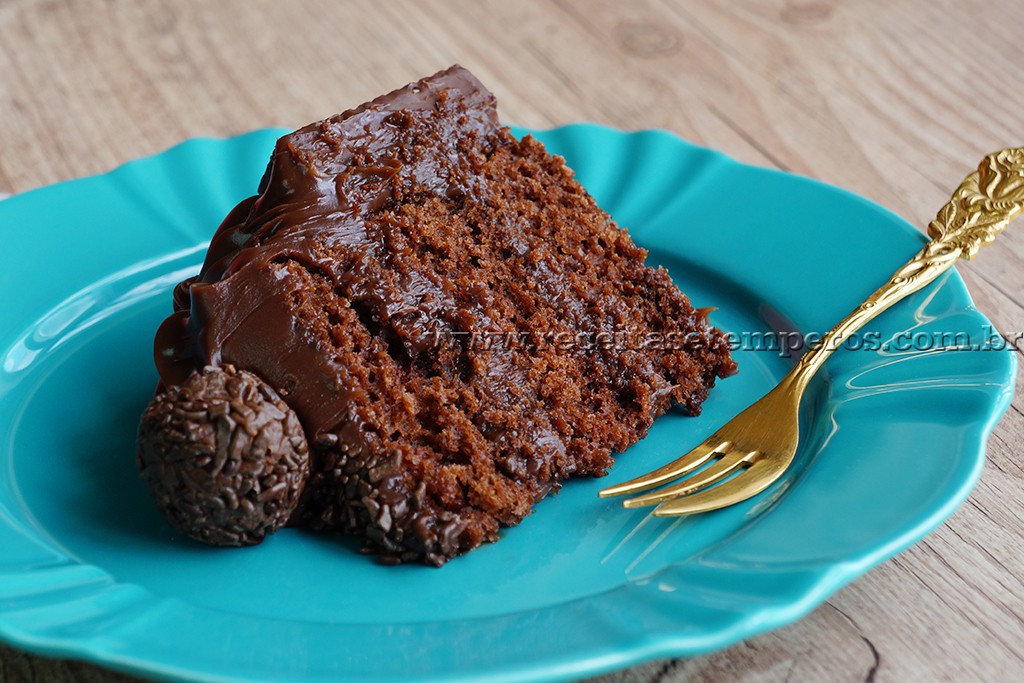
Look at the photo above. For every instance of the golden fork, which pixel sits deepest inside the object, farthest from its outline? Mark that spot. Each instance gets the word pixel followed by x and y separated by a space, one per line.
pixel 754 448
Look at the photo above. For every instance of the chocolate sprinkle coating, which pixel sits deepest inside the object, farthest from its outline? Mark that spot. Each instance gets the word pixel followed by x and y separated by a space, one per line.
pixel 224 456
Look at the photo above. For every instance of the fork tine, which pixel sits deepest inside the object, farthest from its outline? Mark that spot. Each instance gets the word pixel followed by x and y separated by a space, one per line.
pixel 719 470
pixel 756 479
pixel 689 462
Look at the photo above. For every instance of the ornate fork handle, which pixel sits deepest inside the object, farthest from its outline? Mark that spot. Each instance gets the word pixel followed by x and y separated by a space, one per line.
pixel 980 209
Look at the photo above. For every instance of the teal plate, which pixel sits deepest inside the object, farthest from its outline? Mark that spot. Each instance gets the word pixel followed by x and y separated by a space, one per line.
pixel 88 569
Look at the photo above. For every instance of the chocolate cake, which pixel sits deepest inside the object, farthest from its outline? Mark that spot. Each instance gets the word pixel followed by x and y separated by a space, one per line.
pixel 456 324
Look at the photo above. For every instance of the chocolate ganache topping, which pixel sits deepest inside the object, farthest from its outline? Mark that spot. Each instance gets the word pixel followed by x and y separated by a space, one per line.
pixel 321 184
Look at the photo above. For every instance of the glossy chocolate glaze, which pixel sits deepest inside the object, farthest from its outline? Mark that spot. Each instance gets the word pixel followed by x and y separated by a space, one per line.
pixel 322 182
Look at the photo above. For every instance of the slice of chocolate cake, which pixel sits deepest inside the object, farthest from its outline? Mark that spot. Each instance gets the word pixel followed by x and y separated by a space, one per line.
pixel 456 324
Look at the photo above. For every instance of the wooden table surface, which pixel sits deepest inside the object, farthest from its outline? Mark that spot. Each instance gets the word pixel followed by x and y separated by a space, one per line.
pixel 892 99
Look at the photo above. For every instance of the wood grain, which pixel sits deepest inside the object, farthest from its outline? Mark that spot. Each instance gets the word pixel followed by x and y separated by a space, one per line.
pixel 892 100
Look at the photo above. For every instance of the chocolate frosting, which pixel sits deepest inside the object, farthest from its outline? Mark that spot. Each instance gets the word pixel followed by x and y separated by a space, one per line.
pixel 321 184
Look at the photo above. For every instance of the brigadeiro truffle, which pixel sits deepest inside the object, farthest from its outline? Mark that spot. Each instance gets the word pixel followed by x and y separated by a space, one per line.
pixel 224 456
